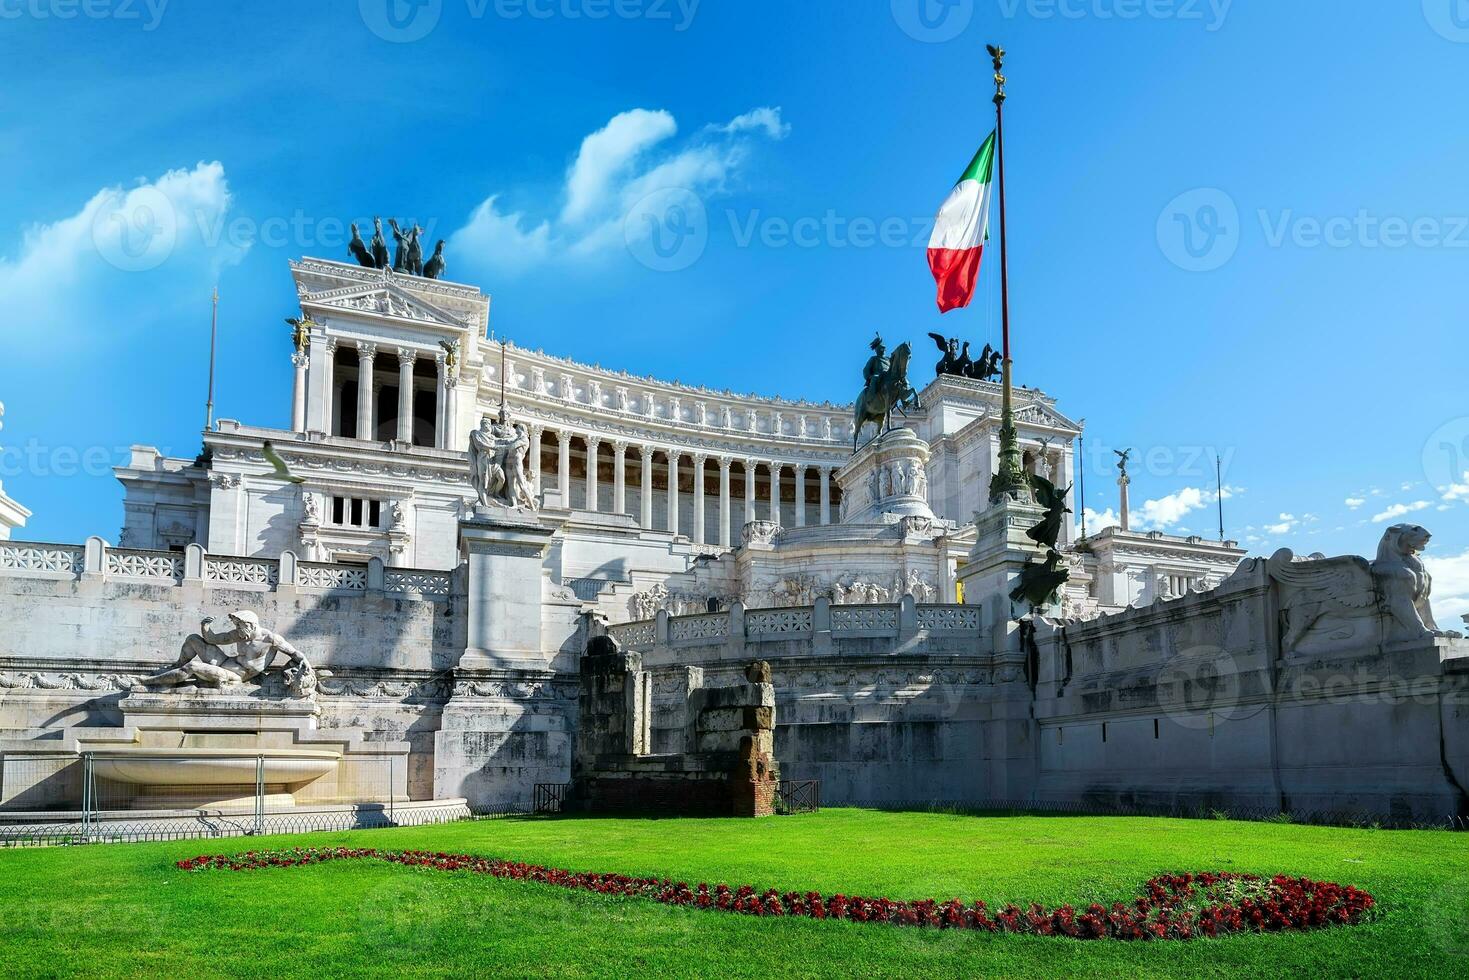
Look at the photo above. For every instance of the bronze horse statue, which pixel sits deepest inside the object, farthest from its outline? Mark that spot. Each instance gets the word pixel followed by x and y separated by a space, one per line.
pixel 888 390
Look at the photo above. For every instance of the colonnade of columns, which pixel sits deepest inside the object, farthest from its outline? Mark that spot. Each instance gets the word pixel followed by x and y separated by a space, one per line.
pixel 315 398
pixel 680 472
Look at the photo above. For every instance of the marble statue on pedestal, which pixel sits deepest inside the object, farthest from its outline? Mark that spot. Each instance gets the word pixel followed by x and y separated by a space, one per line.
pixel 205 662
pixel 1404 584
pixel 497 465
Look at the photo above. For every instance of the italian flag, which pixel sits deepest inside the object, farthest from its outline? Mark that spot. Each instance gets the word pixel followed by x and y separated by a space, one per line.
pixel 961 229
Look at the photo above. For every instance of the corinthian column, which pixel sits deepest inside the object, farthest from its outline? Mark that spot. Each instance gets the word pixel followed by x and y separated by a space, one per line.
pixel 619 477
pixel 563 467
pixel 535 432
pixel 645 500
pixel 407 357
pixel 592 489
pixel 366 353
pixel 825 495
pixel 673 455
pixel 699 462
pixel 749 465
pixel 800 495
pixel 298 393
pixel 724 531
pixel 775 493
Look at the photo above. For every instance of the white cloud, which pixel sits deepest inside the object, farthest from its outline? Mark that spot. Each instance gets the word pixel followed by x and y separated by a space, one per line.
pixel 764 119
pixel 1398 510
pixel 1354 502
pixel 1458 491
pixel 144 230
pixel 1165 513
pixel 1450 588
pixel 608 154
pixel 1097 521
pixel 617 167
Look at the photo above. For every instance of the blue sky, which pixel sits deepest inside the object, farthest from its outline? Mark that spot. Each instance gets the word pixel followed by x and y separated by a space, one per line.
pixel 1235 226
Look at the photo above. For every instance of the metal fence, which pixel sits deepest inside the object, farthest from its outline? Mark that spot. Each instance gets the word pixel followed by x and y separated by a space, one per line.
pixel 798 796
pixel 133 795
pixel 549 797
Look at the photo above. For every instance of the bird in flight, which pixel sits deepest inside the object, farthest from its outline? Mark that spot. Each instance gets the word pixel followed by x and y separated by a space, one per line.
pixel 281 470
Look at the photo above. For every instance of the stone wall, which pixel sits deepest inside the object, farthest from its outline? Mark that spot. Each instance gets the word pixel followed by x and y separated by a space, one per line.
pixel 1229 699
pixel 82 621
pixel 721 760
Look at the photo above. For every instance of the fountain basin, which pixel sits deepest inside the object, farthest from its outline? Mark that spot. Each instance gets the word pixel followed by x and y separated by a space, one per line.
pixel 211 777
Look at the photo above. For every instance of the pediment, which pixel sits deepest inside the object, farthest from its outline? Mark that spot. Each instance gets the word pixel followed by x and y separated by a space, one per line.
pixel 382 299
pixel 1040 415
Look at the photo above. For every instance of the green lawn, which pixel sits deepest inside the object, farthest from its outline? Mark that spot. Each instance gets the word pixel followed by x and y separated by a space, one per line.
pixel 124 910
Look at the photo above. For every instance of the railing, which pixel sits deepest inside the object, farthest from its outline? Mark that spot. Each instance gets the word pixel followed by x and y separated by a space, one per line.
pixel 798 796
pixel 98 560
pixel 845 622
pixel 549 797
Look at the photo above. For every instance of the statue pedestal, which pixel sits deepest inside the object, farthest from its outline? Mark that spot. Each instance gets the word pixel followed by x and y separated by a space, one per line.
pixel 1001 551
pixel 886 480
pixel 504 551
pixel 508 724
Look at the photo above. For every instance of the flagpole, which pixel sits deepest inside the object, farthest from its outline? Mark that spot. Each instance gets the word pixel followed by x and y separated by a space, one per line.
pixel 1009 480
pixel 213 344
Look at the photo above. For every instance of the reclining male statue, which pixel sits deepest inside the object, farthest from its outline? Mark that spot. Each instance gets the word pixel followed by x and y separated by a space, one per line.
pixel 205 662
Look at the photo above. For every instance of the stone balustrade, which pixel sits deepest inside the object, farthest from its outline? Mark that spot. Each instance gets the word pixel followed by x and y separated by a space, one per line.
pixel 738 626
pixel 96 560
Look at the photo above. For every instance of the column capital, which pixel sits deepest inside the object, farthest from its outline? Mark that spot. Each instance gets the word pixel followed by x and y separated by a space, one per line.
pixel 674 455
pixel 331 346
pixel 299 359
pixel 619 446
pixel 592 442
pixel 366 352
pixel 407 356
pixel 700 458
pixel 750 463
pixel 724 463
pixel 646 452
pixel 535 429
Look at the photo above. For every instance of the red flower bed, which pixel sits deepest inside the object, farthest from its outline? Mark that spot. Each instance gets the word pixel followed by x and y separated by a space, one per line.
pixel 1176 906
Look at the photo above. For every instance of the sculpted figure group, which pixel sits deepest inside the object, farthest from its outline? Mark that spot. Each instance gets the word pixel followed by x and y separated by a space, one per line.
pixel 242 652
pixel 497 465
pixel 957 362
pixel 408 254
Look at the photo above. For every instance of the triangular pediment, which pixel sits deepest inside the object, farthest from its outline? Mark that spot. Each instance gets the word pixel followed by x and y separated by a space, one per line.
pixel 384 299
pixel 1041 415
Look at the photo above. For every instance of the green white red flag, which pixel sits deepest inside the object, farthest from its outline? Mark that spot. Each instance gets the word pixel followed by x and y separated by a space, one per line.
pixel 961 230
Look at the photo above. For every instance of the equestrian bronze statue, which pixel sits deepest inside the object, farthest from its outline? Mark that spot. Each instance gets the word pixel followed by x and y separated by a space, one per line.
pixel 886 387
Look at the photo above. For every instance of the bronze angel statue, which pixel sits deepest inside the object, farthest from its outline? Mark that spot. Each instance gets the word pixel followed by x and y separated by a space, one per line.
pixel 1048 531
